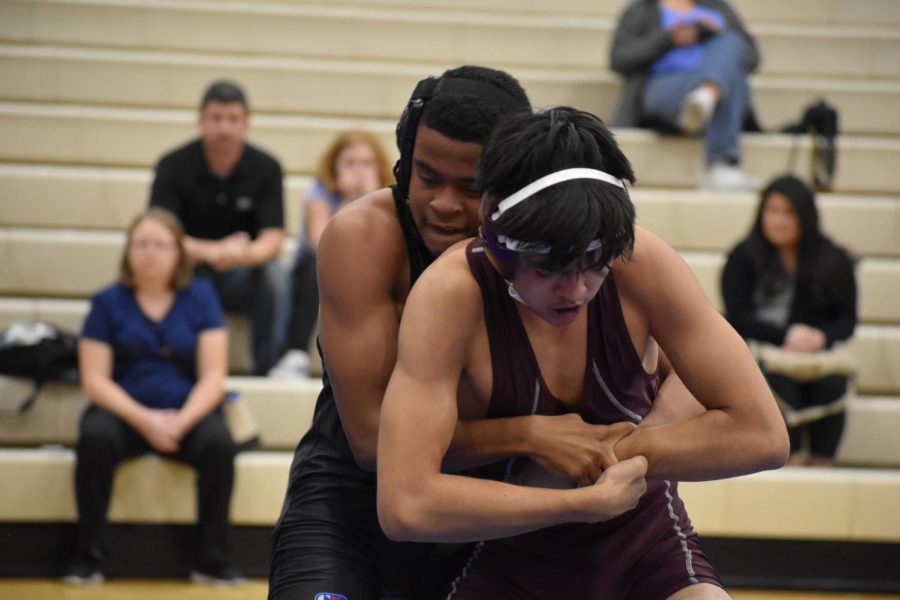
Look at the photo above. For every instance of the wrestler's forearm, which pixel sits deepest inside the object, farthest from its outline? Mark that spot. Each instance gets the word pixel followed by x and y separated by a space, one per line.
pixel 673 403
pixel 452 508
pixel 483 441
pixel 713 445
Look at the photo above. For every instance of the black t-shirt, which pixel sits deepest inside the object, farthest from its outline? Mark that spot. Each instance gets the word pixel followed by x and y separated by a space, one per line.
pixel 250 199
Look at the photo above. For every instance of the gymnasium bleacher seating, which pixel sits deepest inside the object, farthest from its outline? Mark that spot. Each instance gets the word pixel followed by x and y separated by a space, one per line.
pixel 92 92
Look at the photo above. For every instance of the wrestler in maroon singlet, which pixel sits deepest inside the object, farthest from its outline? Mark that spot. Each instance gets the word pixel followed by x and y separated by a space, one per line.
pixel 650 552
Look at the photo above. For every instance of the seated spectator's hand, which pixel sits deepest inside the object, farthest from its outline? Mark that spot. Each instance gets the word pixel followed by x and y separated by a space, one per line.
pixel 567 445
pixel 803 338
pixel 709 25
pixel 231 251
pixel 160 430
pixel 684 34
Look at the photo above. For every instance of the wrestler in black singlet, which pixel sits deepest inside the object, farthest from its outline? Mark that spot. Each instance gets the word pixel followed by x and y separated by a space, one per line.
pixel 328 539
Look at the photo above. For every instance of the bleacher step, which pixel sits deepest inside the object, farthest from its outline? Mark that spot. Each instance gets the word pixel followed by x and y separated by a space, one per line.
pixel 52 196
pixel 812 504
pixel 71 263
pixel 387 34
pixel 283 411
pixel 85 135
pixel 365 89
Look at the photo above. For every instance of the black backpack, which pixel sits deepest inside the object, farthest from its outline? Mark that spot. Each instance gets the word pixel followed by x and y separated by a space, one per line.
pixel 820 120
pixel 38 351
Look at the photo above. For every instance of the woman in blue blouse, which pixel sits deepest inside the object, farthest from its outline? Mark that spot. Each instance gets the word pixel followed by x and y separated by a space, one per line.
pixel 153 361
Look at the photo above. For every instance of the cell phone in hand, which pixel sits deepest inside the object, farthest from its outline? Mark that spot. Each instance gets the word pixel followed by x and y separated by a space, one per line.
pixel 705 32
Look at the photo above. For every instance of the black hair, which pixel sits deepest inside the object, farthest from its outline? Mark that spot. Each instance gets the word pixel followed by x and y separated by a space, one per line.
pixel 468 117
pixel 224 91
pixel 567 216
pixel 821 264
pixel 464 104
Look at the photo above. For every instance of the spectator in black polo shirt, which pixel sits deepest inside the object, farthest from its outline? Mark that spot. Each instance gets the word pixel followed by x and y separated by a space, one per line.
pixel 228 195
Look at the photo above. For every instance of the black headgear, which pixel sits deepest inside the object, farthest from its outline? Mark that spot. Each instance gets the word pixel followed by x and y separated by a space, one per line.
pixel 426 90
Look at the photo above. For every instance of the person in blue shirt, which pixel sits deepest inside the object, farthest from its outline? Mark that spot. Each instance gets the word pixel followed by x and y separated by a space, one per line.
pixel 685 65
pixel 353 165
pixel 153 360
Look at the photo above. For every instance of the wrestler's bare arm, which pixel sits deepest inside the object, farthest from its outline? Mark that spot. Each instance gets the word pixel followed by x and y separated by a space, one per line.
pixel 360 253
pixel 416 501
pixel 741 430
pixel 673 402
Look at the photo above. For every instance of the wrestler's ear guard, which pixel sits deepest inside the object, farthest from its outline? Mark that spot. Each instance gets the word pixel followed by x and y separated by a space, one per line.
pixel 406 131
pixel 427 89
pixel 505 259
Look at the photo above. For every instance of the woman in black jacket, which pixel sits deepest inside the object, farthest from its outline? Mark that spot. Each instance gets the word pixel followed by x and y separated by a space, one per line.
pixel 789 285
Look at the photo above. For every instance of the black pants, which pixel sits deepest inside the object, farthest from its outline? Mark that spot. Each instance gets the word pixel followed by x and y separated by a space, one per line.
pixel 105 440
pixel 260 293
pixel 328 540
pixel 824 434
pixel 304 302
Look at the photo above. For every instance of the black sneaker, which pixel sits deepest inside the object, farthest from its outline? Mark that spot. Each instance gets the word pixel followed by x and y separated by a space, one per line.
pixel 224 576
pixel 84 570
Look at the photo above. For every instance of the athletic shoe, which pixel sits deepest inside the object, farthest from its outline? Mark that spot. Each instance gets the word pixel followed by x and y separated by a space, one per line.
pixel 223 576
pixel 84 570
pixel 696 110
pixel 293 365
pixel 722 176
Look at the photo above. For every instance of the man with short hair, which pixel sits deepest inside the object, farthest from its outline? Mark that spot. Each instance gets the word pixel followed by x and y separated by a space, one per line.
pixel 228 194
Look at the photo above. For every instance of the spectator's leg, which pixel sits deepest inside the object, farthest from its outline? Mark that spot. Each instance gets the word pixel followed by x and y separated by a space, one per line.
pixel 208 448
pixel 722 66
pixel 104 440
pixel 260 293
pixel 305 301
pixel 268 313
pixel 825 434
pixel 789 391
pixel 664 94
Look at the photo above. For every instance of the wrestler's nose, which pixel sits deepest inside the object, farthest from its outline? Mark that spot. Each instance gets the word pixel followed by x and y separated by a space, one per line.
pixel 572 287
pixel 447 202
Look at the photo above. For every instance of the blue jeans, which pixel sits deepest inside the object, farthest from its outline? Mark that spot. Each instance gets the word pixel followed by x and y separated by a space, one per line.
pixel 261 294
pixel 723 66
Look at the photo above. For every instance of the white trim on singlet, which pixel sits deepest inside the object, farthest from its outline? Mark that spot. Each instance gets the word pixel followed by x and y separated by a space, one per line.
pixel 475 554
pixel 612 399
pixel 688 554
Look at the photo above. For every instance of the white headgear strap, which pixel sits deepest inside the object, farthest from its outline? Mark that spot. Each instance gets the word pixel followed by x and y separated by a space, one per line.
pixel 517 246
pixel 552 179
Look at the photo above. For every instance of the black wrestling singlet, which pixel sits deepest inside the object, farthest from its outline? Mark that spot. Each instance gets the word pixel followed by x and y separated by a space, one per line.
pixel 324 454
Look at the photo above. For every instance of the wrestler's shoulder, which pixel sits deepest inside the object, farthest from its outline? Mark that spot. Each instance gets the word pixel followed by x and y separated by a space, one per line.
pixel 371 219
pixel 450 276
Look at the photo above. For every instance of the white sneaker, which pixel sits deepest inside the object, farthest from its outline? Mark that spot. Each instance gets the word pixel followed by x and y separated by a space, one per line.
pixel 722 176
pixel 696 110
pixel 293 365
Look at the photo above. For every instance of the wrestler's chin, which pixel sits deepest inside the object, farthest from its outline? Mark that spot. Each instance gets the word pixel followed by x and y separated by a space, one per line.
pixel 439 240
pixel 562 316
